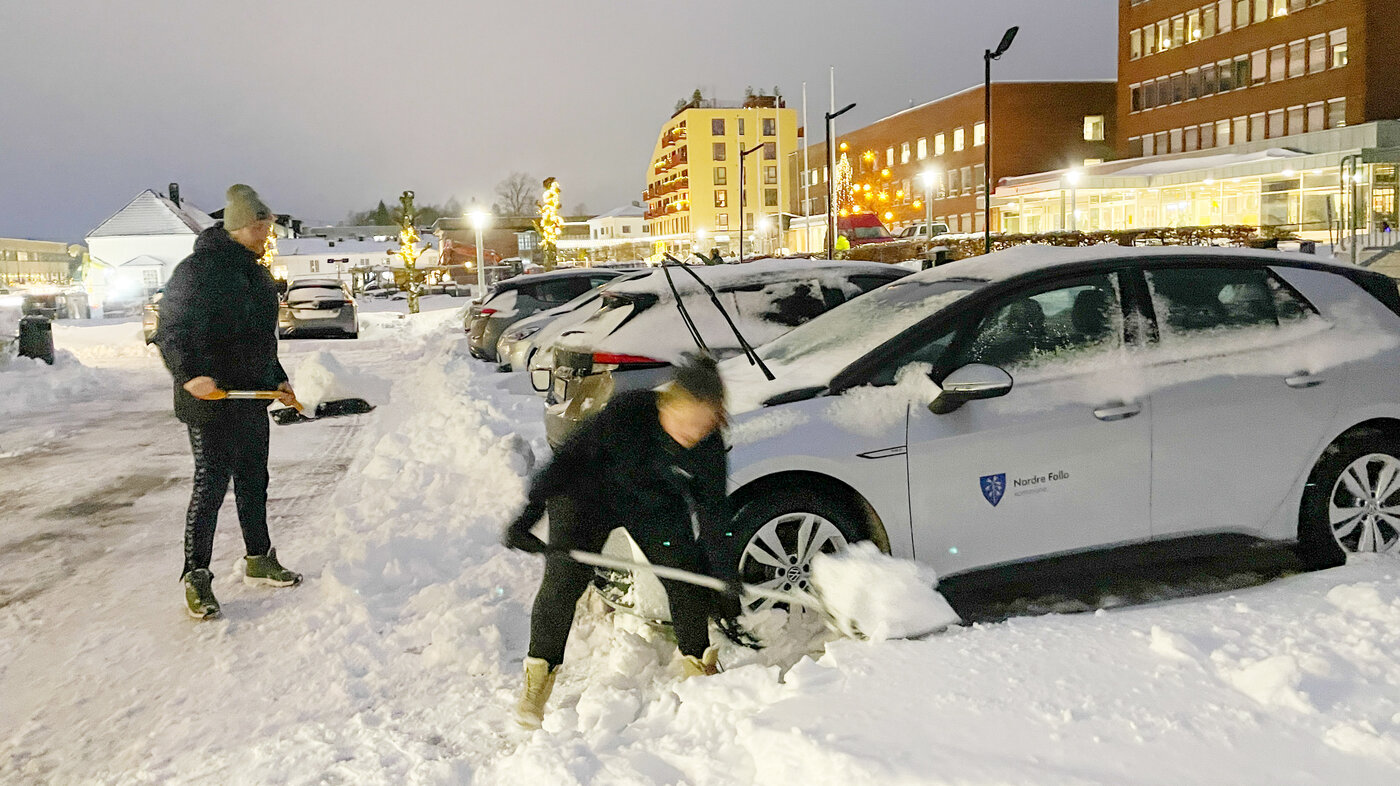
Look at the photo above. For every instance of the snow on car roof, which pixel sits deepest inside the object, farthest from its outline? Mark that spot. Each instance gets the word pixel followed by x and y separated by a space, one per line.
pixel 742 273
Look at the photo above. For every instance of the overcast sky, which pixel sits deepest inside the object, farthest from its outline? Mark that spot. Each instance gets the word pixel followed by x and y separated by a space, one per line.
pixel 327 106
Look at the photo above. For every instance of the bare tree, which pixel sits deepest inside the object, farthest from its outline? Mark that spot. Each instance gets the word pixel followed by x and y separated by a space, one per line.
pixel 517 195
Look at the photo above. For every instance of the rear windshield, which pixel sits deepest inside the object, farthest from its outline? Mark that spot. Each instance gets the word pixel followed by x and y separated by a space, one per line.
pixel 315 293
pixel 868 233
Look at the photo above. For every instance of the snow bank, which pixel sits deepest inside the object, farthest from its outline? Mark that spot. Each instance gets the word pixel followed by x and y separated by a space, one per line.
pixel 28 385
pixel 320 377
pixel 878 596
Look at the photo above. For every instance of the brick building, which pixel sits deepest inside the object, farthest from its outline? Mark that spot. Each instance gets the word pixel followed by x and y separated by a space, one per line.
pixel 1196 75
pixel 1036 126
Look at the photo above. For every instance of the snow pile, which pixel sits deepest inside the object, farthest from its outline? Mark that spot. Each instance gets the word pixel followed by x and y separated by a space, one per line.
pixel 320 377
pixel 29 385
pixel 879 596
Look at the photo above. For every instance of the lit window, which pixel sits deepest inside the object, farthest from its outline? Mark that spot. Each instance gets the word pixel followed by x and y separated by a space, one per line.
pixel 959 139
pixel 1094 128
pixel 1135 44
pixel 1339 48
pixel 721 175
pixel 922 148
pixel 904 153
pixel 1337 113
pixel 770 175
pixel 979 134
pixel 939 144
pixel 889 156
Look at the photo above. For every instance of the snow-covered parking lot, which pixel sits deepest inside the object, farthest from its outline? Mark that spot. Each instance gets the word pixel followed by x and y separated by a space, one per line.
pixel 398 659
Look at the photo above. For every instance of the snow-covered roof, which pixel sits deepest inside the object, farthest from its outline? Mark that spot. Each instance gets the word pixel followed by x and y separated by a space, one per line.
pixel 626 211
pixel 146 260
pixel 152 214
pixel 320 246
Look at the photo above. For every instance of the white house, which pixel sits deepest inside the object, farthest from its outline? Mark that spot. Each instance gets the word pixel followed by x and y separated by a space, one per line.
pixel 623 223
pixel 311 257
pixel 139 246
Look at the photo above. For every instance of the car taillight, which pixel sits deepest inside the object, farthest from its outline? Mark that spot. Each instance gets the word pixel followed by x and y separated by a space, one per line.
pixel 486 312
pixel 613 360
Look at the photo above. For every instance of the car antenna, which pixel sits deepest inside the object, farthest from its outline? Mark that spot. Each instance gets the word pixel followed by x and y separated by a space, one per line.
pixel 685 315
pixel 753 357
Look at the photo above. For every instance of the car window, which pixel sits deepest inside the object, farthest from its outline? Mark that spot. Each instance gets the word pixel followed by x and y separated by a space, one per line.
pixel 559 290
pixel 594 281
pixel 1066 321
pixel 1195 301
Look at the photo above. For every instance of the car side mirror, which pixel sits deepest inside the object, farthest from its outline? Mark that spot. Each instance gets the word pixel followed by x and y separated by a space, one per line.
pixel 972 382
pixel 540 379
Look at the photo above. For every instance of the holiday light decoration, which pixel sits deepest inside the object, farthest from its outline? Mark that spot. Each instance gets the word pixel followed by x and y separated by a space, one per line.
pixel 844 190
pixel 270 249
pixel 409 252
pixel 551 223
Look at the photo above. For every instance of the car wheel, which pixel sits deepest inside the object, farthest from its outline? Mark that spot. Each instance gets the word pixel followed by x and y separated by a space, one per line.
pixel 1352 502
pixel 781 532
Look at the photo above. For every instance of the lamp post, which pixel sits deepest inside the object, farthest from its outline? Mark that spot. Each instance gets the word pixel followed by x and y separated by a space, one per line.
pixel 830 182
pixel 988 56
pixel 743 193
pixel 1073 177
pixel 480 218
pixel 928 176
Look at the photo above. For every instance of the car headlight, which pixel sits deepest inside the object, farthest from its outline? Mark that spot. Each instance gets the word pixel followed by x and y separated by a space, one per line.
pixel 522 334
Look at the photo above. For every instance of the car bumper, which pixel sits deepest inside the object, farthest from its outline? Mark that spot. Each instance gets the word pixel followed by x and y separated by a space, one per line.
pixel 583 398
pixel 340 325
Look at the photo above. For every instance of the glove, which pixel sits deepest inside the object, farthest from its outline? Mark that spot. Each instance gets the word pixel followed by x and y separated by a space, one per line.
pixel 519 537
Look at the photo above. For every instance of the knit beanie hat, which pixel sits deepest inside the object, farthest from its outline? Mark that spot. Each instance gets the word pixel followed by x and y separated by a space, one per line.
pixel 698 375
pixel 244 207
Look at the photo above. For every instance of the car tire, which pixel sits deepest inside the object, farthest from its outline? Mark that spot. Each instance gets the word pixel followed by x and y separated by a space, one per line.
pixel 1348 477
pixel 787 526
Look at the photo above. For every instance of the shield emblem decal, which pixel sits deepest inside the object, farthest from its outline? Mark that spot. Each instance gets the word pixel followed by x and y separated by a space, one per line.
pixel 994 487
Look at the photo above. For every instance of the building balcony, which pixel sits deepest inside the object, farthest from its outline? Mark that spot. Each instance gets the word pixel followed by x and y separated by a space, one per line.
pixel 671 161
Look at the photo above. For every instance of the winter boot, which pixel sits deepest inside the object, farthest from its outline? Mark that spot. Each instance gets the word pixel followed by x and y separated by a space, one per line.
pixel 199 595
pixel 707 665
pixel 539 682
pixel 267 570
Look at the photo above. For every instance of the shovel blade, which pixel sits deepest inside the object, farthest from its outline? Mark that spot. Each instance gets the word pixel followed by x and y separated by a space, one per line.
pixel 287 416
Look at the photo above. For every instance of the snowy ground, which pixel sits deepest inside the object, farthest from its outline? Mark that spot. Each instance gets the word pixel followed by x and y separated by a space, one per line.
pixel 398 659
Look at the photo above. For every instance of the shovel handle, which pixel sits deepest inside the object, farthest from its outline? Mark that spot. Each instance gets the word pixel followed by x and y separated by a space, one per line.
pixel 698 579
pixel 259 395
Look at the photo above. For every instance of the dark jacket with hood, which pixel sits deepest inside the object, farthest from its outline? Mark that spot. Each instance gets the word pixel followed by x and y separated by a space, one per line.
pixel 218 318
pixel 620 468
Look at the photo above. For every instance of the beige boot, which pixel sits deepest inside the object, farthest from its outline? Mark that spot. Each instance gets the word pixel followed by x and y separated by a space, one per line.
pixel 539 682
pixel 707 665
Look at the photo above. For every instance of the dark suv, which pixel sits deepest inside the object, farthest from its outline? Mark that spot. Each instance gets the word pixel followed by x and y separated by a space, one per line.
pixel 517 298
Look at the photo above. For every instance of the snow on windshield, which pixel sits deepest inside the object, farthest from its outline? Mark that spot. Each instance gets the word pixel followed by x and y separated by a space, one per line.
pixel 812 353
pixel 302 294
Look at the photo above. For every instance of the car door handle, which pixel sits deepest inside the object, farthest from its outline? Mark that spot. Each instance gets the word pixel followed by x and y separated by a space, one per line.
pixel 1304 381
pixel 1119 412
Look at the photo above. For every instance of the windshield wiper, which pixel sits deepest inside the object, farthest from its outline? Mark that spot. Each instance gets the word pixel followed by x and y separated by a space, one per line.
pixel 685 314
pixel 749 352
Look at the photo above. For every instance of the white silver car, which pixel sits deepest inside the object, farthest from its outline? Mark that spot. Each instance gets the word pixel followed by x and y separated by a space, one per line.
pixel 1052 404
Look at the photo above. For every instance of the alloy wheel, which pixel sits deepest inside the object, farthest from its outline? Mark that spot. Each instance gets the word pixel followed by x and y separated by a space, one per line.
pixel 779 555
pixel 1364 508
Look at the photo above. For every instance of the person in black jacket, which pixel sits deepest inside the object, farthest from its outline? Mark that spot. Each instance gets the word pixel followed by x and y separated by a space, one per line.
pixel 650 461
pixel 218 332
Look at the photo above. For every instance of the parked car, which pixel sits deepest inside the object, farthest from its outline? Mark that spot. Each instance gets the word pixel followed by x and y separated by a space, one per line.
pixel 150 315
pixel 639 332
pixel 1059 407
pixel 923 231
pixel 521 342
pixel 516 298
pixel 55 303
pixel 862 229
pixel 318 307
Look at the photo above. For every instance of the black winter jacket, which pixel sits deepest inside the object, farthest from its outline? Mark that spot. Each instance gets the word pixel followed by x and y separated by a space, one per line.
pixel 620 468
pixel 218 318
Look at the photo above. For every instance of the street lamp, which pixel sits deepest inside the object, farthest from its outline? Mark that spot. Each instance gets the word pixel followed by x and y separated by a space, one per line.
pixel 743 194
pixel 765 224
pixel 988 56
pixel 831 181
pixel 1073 177
pixel 480 219
pixel 928 176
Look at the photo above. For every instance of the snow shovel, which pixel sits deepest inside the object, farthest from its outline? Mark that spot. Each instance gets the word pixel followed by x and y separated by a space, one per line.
pixel 286 416
pixel 842 621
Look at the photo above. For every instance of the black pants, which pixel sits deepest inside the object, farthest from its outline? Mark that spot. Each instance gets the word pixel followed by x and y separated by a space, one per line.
pixel 565 582
pixel 232 446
